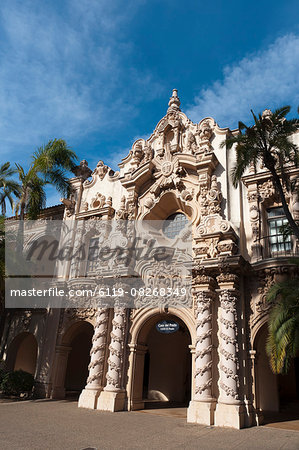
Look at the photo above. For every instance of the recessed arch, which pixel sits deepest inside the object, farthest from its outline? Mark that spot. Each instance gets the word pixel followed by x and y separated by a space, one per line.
pixel 22 353
pixel 273 392
pixel 72 360
pixel 160 364
pixel 169 204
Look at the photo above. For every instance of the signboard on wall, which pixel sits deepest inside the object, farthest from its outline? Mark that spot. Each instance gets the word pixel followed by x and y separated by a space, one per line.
pixel 167 326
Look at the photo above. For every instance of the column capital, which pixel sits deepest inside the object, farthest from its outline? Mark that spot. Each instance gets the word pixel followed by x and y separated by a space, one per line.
pixel 202 281
pixel 140 348
pixel 228 299
pixel 228 281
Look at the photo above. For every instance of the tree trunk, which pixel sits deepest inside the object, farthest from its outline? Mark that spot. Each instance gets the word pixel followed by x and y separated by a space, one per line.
pixel 6 318
pixel 20 237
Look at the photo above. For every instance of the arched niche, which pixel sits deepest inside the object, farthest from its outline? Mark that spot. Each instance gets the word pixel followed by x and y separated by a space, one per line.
pixel 22 353
pixel 72 359
pixel 169 204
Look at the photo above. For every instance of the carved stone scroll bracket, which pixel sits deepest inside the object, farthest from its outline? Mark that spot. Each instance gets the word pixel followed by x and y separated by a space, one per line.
pixel 215 238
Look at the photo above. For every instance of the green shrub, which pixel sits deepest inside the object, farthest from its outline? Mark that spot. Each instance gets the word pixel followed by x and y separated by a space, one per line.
pixel 2 374
pixel 15 383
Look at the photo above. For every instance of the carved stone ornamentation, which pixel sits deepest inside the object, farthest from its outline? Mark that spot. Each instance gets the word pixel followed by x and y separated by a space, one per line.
pixel 210 199
pixel 149 202
pixel 203 350
pixel 101 170
pixel 168 174
pixel 97 352
pixel 266 190
pixel 174 102
pixel 205 133
pixel 227 247
pixel 82 170
pixel 266 277
pixel 116 348
pixel 213 223
pixel 228 348
pixel 69 204
pixel 89 395
pixel 191 144
pixel 148 152
pixel 122 212
pixel 137 154
pixel 98 201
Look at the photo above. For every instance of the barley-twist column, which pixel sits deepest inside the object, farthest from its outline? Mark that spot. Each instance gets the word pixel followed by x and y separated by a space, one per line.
pixel 203 350
pixel 230 410
pixel 113 396
pixel 202 406
pixel 89 396
pixel 228 349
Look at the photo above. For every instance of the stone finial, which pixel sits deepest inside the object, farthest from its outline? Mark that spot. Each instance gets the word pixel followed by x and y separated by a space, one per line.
pixel 82 170
pixel 174 101
pixel 267 114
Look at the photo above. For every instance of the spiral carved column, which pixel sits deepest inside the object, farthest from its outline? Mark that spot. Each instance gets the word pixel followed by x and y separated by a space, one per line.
pixel 113 396
pixel 228 360
pixel 229 411
pixel 203 350
pixel 201 409
pixel 89 396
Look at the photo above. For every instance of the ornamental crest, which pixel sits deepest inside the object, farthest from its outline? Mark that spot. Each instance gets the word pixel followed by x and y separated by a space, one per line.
pixel 168 173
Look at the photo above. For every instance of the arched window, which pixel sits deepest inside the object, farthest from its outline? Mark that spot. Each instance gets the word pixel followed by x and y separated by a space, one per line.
pixel 174 224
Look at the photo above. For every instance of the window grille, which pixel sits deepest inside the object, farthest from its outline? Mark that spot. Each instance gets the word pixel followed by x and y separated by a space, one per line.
pixel 277 243
pixel 174 224
pixel 93 252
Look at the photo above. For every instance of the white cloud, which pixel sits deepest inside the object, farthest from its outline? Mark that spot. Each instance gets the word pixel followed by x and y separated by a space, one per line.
pixel 267 79
pixel 62 67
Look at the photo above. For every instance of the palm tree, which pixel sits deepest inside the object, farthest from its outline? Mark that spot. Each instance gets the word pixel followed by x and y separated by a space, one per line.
pixel 49 165
pixel 268 141
pixel 9 188
pixel 283 326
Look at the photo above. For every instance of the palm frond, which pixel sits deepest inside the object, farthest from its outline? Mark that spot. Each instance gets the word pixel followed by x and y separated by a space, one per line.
pixel 283 338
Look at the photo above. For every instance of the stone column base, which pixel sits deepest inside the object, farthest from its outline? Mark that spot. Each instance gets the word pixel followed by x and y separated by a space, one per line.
pixel 111 401
pixel 89 398
pixel 230 415
pixel 201 412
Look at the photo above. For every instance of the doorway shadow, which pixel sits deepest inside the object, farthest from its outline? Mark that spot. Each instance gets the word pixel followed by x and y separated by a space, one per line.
pixel 152 404
pixel 289 411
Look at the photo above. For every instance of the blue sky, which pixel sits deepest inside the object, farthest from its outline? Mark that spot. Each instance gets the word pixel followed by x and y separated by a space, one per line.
pixel 99 73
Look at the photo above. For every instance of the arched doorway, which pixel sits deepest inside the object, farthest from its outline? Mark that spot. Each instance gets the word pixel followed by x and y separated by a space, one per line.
pixel 274 393
pixel 78 360
pixel 22 353
pixel 72 360
pixel 161 365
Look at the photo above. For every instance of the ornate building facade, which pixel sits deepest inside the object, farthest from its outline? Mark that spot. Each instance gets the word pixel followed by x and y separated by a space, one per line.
pixel 215 362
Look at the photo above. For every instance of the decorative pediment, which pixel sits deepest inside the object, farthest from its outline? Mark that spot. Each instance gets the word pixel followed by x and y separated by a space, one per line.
pixel 100 172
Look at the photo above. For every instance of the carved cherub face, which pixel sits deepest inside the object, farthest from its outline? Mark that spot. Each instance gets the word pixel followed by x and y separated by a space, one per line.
pixel 206 130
